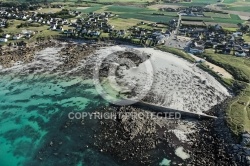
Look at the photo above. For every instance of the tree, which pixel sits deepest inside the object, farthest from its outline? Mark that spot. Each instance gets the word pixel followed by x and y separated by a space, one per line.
pixel 240 25
pixel 245 28
pixel 6 25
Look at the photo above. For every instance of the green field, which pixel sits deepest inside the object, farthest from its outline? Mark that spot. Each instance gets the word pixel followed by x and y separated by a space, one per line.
pixel 233 19
pixel 238 112
pixel 121 23
pixel 219 15
pixel 125 2
pixel 128 9
pixel 140 13
pixel 229 1
pixel 197 3
pixel 237 66
pixel 239 8
pixel 152 18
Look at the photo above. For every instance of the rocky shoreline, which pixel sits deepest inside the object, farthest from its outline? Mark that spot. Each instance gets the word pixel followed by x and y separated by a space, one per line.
pixel 146 140
pixel 139 140
pixel 25 54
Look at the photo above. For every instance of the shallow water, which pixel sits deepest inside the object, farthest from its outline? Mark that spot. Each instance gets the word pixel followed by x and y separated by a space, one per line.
pixel 33 111
pixel 34 124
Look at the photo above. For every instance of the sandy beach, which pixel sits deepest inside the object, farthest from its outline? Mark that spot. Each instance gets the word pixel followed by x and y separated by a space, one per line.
pixel 174 83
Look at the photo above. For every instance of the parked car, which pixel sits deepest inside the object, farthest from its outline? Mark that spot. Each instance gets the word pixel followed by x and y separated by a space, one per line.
pixel 240 53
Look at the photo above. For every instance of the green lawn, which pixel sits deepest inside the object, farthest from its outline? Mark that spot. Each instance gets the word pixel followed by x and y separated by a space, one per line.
pixel 13 27
pixel 238 112
pixel 43 30
pixel 121 23
pixel 247 37
pixel 49 10
pixel 177 52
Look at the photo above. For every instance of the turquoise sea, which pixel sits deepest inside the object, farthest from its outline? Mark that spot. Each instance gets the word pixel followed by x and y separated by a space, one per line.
pixel 34 124
pixel 35 129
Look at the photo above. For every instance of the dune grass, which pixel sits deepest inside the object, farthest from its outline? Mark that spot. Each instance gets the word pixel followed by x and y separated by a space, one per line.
pixel 177 52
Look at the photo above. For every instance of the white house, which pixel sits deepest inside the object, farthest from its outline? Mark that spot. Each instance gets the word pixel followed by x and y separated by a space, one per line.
pixel 143 33
pixel 237 34
pixel 30 20
pixel 161 39
pixel 3 40
pixel 6 36
pixel 53 27
pixel 17 37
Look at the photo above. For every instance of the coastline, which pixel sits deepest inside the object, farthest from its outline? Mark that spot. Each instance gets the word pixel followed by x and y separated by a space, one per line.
pixel 76 68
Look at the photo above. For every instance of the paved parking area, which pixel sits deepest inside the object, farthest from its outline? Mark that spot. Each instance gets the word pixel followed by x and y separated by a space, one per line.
pixel 179 42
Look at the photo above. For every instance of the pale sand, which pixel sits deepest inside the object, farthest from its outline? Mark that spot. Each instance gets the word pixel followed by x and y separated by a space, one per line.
pixel 177 83
pixel 180 153
pixel 82 8
pixel 215 68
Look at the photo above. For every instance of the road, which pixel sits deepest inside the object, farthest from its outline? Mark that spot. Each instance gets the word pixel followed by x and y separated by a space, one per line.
pixel 178 25
pixel 176 41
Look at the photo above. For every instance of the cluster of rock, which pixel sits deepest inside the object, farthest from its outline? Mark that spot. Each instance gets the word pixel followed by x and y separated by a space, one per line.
pixel 140 140
pixel 73 53
pixel 9 57
pixel 209 148
pixel 238 148
pixel 242 150
pixel 128 59
pixel 80 57
pixel 131 138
